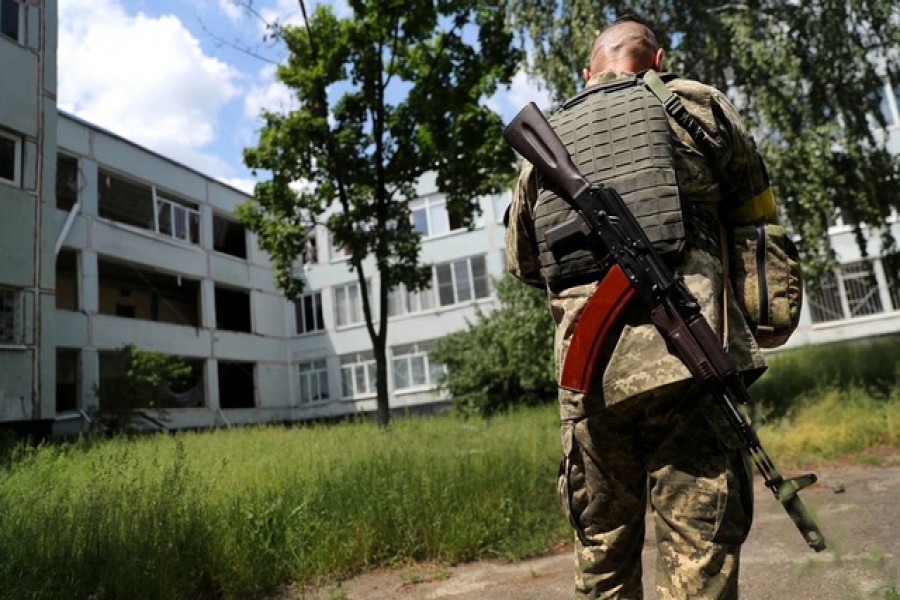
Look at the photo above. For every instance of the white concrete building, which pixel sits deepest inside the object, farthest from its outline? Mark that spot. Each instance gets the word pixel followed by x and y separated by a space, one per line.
pixel 104 243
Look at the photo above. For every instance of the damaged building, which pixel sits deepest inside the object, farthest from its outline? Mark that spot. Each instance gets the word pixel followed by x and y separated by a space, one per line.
pixel 106 245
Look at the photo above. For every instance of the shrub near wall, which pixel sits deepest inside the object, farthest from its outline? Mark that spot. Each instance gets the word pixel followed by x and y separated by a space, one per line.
pixel 235 513
pixel 871 364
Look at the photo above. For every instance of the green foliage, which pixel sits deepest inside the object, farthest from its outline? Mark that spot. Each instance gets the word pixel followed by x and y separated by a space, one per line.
pixel 385 95
pixel 806 75
pixel 799 372
pixel 144 381
pixel 504 358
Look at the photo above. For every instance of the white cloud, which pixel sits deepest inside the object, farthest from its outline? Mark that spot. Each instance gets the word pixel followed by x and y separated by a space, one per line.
pixel 269 94
pixel 507 102
pixel 241 183
pixel 523 90
pixel 144 78
pixel 232 10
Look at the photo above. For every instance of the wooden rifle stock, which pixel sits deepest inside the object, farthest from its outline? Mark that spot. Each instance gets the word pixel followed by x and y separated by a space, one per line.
pixel 613 231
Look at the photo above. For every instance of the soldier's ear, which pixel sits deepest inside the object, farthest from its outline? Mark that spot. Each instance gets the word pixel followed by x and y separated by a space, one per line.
pixel 586 74
pixel 658 59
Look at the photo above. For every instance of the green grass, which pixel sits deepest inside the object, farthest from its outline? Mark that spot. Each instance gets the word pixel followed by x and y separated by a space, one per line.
pixel 236 513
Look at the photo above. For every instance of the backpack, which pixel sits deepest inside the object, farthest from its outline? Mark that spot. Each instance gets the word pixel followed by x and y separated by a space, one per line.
pixel 762 262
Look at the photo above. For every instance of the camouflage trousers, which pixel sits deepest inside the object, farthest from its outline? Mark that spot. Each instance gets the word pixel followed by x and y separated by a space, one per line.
pixel 664 451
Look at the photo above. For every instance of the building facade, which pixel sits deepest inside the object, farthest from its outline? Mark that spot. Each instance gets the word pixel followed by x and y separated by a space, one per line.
pixel 104 244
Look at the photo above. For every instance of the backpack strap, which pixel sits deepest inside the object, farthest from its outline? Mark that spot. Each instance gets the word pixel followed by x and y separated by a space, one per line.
pixel 677 111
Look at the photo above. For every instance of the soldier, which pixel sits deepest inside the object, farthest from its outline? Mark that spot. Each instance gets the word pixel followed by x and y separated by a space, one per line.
pixel 647 434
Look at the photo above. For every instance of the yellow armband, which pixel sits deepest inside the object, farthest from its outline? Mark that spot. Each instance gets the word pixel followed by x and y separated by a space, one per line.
pixel 759 208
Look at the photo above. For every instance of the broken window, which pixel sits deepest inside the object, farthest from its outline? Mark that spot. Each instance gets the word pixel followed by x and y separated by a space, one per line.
pixel 67 280
pixel 128 291
pixel 125 201
pixel 10 19
pixel 67 379
pixel 66 182
pixel 308 308
pixel 118 391
pixel 10 157
pixel 229 237
pixel 236 387
pixel 233 310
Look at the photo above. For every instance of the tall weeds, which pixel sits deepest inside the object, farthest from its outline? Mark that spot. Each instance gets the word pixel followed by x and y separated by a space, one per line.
pixel 234 513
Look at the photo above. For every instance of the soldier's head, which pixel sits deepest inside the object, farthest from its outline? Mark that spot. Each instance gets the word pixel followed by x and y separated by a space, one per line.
pixel 626 45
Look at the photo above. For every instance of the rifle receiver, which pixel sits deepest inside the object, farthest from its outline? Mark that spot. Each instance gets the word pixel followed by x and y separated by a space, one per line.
pixel 533 137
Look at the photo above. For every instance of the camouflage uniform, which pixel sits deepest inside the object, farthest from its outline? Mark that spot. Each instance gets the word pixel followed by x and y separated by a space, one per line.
pixel 645 429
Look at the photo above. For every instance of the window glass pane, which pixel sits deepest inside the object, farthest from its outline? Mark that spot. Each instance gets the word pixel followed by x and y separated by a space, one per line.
pixel 359 372
pixel 440 222
pixel 194 227
pixel 395 301
pixel 401 373
pixel 445 284
pixel 340 305
pixel 417 369
pixel 435 370
pixel 179 214
pixel 824 300
pixel 7 158
pixel 420 221
pixel 323 385
pixel 479 274
pixel 861 289
pixel 164 217
pixel 353 305
pixel 463 284
pixel 347 381
pixel 372 372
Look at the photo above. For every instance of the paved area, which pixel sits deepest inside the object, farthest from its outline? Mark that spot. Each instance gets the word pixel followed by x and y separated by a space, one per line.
pixel 858 509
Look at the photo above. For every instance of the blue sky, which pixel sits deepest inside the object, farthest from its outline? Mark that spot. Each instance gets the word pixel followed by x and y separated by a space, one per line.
pixel 166 75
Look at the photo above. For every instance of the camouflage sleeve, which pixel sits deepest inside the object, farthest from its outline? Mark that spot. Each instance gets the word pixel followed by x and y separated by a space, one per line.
pixel 746 190
pixel 522 257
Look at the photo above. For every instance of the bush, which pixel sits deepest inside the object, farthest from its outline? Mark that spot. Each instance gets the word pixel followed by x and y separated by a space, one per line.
pixel 872 364
pixel 504 358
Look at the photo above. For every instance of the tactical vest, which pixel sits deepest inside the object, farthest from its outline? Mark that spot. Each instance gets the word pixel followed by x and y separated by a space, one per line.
pixel 618 134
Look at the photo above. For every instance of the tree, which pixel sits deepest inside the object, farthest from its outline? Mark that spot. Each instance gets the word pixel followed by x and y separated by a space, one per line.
pixel 505 357
pixel 808 76
pixel 145 382
pixel 385 95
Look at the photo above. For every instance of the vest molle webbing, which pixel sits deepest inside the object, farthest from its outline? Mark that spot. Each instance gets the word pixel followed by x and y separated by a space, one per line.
pixel 618 135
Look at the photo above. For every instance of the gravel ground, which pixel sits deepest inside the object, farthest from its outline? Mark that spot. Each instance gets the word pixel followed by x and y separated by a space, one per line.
pixel 858 511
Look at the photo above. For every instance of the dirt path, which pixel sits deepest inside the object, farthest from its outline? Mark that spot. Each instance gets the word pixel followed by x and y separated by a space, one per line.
pixel 858 509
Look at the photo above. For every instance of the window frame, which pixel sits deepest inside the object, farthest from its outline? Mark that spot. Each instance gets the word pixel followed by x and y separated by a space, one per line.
pixel 12 317
pixel 353 305
pixel 318 313
pixel 191 215
pixel 16 180
pixel 313 377
pixel 406 354
pixel 356 367
pixel 475 283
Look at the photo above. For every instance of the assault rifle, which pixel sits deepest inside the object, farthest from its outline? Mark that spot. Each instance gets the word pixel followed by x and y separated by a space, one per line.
pixel 609 228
